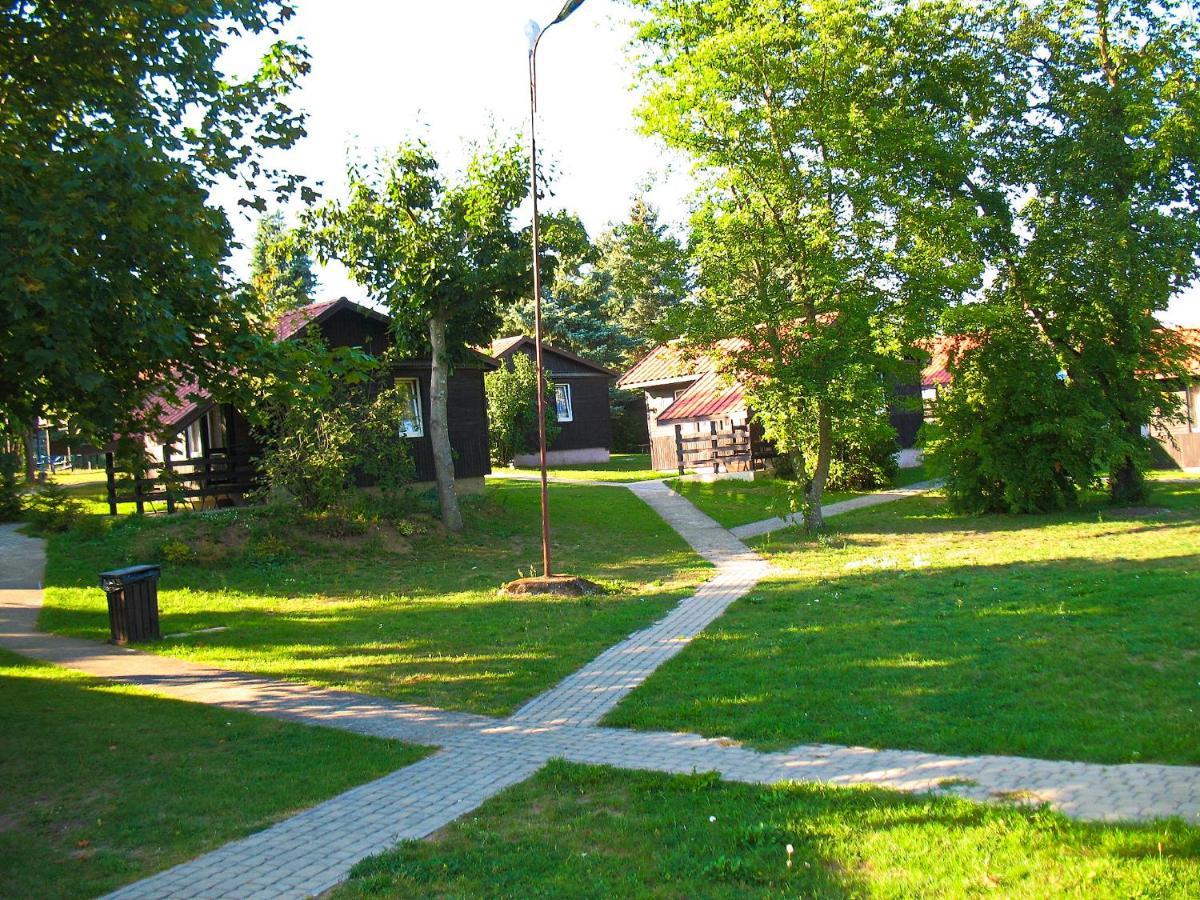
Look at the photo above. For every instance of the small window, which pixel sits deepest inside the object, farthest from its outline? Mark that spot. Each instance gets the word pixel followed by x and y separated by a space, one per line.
pixel 412 424
pixel 191 441
pixel 562 403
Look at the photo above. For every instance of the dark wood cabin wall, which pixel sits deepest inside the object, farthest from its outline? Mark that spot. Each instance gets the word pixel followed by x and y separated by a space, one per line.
pixel 591 424
pixel 467 408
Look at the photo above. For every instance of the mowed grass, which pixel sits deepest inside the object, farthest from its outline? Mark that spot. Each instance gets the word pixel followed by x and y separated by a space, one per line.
pixel 415 619
pixel 733 501
pixel 580 831
pixel 621 467
pixel 1073 636
pixel 103 785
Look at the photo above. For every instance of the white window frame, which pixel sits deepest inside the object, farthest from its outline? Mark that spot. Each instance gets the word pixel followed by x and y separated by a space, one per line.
pixel 414 428
pixel 563 392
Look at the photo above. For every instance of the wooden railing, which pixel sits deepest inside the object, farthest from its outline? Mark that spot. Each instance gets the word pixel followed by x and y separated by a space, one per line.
pixel 223 473
pixel 735 447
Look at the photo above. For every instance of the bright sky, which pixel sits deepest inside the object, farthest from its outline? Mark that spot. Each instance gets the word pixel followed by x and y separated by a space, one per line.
pixel 448 71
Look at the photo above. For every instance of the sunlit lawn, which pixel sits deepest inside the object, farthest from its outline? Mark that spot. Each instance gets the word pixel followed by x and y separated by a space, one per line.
pixel 1072 636
pixel 102 784
pixel 733 501
pixel 415 619
pixel 621 467
pixel 581 831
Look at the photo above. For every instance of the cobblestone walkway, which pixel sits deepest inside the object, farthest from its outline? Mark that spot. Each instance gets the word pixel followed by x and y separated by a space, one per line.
pixel 480 756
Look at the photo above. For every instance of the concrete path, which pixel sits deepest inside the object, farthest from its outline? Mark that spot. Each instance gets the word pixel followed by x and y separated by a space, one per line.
pixel 481 756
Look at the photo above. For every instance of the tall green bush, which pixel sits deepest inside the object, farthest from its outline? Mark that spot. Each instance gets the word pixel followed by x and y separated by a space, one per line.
pixel 1010 434
pixel 10 490
pixel 512 409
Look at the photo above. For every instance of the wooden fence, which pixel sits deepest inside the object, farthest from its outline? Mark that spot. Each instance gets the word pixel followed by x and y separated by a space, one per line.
pixel 222 474
pixel 735 448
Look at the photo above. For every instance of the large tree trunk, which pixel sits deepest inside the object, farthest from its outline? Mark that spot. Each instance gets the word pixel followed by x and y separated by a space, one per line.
pixel 30 462
pixel 1126 484
pixel 439 428
pixel 813 519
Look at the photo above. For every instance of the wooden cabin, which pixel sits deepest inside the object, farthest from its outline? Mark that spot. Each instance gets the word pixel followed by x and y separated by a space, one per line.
pixel 581 402
pixel 211 446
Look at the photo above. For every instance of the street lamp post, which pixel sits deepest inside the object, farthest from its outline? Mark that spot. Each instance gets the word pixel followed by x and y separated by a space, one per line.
pixel 535 32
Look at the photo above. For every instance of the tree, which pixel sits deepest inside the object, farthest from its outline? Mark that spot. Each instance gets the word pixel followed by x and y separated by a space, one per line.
pixel 821 246
pixel 576 295
pixel 647 271
pixel 280 268
pixel 440 252
pixel 115 124
pixel 1089 186
pixel 512 409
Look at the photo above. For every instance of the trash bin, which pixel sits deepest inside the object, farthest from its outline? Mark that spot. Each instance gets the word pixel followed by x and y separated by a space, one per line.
pixel 132 603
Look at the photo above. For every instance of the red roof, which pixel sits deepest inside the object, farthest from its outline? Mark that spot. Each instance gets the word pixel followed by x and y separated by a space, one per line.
pixel 712 396
pixel 942 350
pixel 1191 339
pixel 180 404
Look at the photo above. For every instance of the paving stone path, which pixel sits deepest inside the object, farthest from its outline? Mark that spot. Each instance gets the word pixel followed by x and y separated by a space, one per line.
pixel 480 756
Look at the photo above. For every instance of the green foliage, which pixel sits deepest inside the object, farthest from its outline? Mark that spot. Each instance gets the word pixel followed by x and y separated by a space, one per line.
pixel 1011 435
pixel 865 457
pixel 1087 187
pixel 441 253
pixel 10 488
pixel 606 300
pixel 51 509
pixel 512 409
pixel 281 272
pixel 116 124
pixel 327 424
pixel 821 248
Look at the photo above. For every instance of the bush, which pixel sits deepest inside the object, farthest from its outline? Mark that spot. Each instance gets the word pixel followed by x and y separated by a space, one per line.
pixel 865 459
pixel 50 509
pixel 10 489
pixel 512 409
pixel 337 438
pixel 1008 437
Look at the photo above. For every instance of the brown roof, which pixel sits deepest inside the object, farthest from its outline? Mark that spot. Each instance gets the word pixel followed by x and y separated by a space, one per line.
pixel 942 350
pixel 710 395
pixel 502 348
pixel 1191 339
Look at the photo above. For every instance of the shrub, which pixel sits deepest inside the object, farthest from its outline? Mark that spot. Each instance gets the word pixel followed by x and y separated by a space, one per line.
pixel 864 459
pixel 341 433
pixel 1009 437
pixel 50 509
pixel 10 489
pixel 512 409
pixel 173 550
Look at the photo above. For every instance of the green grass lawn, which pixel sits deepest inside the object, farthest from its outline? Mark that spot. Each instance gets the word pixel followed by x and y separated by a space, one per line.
pixel 733 502
pixel 1071 636
pixel 582 831
pixel 417 619
pixel 103 784
pixel 621 467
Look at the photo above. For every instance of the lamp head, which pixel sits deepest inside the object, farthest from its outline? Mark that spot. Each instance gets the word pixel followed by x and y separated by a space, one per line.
pixel 532 30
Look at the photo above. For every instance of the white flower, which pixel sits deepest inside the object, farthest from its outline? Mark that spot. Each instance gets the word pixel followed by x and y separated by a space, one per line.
pixel 712 818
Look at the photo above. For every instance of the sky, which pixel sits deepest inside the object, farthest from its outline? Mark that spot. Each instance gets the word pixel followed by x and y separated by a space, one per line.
pixel 452 71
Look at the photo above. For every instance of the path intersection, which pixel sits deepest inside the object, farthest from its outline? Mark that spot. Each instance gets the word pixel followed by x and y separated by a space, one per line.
pixel 479 756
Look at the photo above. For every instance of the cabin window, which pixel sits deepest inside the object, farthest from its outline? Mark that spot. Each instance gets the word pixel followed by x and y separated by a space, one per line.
pixel 412 423
pixel 562 403
pixel 1194 408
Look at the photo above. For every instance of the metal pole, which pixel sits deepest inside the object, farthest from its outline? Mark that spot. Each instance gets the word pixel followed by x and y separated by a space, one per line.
pixel 537 308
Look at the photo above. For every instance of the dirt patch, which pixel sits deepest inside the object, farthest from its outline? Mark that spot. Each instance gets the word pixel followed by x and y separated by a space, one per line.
pixel 558 585
pixel 1135 512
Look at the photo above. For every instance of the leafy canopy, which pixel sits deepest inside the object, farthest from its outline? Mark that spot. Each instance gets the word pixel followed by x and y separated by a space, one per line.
pixel 115 125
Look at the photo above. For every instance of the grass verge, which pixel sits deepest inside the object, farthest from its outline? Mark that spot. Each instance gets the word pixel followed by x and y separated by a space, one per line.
pixel 733 502
pixel 105 784
pixel 621 467
pixel 415 617
pixel 582 831
pixel 1070 636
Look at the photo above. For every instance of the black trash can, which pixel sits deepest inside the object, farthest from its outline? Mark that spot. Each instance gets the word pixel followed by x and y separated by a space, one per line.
pixel 132 603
